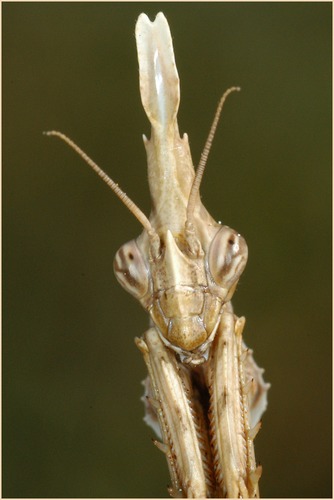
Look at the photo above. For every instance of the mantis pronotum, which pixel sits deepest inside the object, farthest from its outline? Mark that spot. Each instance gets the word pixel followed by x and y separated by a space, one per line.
pixel 204 395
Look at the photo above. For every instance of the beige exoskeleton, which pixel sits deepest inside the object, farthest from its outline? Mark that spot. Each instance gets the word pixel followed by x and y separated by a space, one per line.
pixel 204 393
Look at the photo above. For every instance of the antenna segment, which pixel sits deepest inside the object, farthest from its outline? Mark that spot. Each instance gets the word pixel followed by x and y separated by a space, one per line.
pixel 113 185
pixel 204 156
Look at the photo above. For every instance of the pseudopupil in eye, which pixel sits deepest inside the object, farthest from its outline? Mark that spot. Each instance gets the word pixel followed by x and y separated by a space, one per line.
pixel 131 270
pixel 227 257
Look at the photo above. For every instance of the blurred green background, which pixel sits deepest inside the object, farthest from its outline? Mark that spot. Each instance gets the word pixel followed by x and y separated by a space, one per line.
pixel 72 415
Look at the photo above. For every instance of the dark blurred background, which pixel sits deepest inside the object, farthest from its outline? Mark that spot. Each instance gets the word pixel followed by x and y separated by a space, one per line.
pixel 72 415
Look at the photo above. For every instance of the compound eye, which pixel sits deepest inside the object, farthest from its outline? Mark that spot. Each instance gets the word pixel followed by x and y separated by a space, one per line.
pixel 130 269
pixel 227 257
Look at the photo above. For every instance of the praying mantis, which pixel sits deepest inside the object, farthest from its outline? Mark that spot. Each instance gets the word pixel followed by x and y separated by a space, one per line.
pixel 204 394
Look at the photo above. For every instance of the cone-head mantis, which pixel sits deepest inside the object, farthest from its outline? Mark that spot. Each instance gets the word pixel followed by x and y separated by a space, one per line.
pixel 204 393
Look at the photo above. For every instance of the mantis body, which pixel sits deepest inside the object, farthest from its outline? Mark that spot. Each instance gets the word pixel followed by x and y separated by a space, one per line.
pixel 204 393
